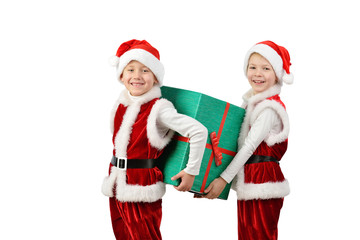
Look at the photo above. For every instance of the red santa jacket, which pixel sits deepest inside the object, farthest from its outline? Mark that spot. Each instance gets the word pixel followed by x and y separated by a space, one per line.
pixel 264 180
pixel 135 136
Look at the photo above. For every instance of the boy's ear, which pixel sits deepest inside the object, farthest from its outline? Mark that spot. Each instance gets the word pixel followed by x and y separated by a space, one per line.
pixel 156 81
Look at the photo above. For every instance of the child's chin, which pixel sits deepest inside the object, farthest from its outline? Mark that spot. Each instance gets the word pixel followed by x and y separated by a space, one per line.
pixel 138 92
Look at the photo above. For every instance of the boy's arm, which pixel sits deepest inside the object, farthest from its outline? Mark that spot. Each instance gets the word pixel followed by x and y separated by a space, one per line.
pixel 197 134
pixel 260 129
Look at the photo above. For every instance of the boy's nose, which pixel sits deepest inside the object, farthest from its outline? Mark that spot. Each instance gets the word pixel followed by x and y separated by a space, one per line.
pixel 136 74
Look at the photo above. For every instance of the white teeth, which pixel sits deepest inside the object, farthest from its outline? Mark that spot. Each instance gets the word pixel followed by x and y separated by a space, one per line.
pixel 258 81
pixel 137 84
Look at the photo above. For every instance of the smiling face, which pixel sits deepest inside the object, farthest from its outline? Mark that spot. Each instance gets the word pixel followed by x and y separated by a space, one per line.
pixel 137 78
pixel 260 73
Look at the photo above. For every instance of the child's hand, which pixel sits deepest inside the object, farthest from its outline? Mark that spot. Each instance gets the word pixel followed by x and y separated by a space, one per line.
pixel 215 188
pixel 186 183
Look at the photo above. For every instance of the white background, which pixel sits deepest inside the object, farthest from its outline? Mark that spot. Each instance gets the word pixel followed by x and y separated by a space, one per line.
pixel 57 91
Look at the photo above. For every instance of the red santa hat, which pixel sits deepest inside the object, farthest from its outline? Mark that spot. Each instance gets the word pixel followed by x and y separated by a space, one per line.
pixel 278 57
pixel 140 51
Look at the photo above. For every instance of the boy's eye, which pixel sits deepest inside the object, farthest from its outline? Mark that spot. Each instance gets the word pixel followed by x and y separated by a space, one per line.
pixel 146 70
pixel 267 68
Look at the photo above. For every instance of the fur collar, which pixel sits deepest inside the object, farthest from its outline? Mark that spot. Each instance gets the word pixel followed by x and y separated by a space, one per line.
pixel 251 100
pixel 254 105
pixel 126 100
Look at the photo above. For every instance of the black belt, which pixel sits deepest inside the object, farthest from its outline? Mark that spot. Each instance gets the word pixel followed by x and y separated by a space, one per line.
pixel 260 159
pixel 124 163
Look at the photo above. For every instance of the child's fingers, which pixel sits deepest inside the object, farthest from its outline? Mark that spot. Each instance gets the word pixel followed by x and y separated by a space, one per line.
pixel 181 188
pixel 208 189
pixel 211 195
pixel 177 176
pixel 186 181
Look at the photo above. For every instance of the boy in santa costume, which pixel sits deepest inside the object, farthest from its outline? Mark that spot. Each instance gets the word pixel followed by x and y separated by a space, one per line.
pixel 259 181
pixel 142 125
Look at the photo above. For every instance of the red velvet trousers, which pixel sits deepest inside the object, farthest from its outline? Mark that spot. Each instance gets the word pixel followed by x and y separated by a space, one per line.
pixel 258 219
pixel 136 221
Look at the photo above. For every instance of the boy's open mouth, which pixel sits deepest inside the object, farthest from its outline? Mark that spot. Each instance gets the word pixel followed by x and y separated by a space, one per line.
pixel 137 84
pixel 258 81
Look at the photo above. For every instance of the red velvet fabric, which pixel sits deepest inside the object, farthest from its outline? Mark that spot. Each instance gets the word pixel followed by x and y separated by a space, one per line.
pixel 277 98
pixel 277 151
pixel 142 176
pixel 267 171
pixel 258 219
pixel 139 146
pixel 263 172
pixel 135 221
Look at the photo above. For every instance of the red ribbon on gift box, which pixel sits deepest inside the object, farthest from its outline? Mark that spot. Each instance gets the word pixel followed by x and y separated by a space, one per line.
pixel 215 149
pixel 215 145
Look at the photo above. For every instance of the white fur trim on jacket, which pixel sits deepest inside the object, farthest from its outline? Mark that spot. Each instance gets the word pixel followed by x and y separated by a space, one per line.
pixel 255 105
pixel 131 193
pixel 272 139
pixel 123 135
pixel 125 100
pixel 158 139
pixel 267 190
pixel 117 178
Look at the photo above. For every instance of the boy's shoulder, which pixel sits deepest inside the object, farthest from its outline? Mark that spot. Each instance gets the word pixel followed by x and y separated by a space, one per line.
pixel 277 99
pixel 163 103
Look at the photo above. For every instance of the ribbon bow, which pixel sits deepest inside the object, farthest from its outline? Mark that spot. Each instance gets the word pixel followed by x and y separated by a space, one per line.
pixel 215 146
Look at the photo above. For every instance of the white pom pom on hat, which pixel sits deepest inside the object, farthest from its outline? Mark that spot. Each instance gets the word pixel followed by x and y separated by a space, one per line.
pixel 114 61
pixel 278 57
pixel 140 51
pixel 288 78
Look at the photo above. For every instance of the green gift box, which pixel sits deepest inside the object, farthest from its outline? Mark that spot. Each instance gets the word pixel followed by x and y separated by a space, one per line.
pixel 220 118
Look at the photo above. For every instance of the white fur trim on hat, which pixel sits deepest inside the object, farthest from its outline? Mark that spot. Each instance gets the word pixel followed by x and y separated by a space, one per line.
pixel 114 61
pixel 288 78
pixel 142 56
